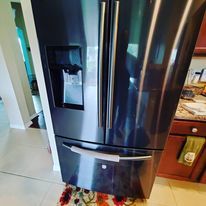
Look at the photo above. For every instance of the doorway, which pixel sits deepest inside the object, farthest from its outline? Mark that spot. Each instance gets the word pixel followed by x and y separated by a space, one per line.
pixel 38 118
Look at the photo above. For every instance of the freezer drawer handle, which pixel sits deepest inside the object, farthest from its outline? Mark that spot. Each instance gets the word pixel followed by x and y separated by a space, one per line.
pixel 113 65
pixel 100 70
pixel 102 156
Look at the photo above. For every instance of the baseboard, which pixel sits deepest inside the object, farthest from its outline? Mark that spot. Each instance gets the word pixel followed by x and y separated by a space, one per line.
pixel 28 124
pixel 34 115
pixel 15 126
pixel 56 168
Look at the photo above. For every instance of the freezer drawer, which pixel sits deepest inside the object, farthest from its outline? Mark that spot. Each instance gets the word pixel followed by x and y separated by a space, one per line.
pixel 107 169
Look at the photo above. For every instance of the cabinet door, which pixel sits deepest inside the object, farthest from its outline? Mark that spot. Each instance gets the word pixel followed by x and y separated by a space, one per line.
pixel 199 172
pixel 200 47
pixel 203 178
pixel 169 165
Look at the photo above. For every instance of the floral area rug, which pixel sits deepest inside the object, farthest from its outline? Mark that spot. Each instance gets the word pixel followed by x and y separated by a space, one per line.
pixel 75 196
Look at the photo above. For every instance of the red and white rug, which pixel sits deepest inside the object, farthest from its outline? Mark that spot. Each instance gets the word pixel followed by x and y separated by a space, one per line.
pixel 75 196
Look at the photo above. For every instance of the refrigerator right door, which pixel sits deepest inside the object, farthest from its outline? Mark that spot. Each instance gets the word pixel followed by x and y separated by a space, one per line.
pixel 145 76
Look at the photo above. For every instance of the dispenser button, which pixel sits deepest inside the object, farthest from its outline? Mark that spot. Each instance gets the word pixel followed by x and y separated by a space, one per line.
pixel 104 167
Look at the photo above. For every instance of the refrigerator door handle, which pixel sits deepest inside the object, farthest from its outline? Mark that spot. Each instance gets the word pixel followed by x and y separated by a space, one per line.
pixel 113 65
pixel 100 66
pixel 146 157
pixel 103 156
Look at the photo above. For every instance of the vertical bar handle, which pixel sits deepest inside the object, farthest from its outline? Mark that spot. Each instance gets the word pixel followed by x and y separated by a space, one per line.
pixel 113 65
pixel 100 62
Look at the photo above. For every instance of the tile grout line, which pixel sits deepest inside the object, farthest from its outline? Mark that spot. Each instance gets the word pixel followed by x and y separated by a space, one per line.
pixel 33 178
pixel 45 194
pixel 172 193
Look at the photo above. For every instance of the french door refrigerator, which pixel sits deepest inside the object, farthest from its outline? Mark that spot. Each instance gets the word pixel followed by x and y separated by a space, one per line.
pixel 114 70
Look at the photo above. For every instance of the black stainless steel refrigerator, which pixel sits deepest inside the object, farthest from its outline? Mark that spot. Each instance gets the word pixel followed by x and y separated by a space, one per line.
pixel 114 71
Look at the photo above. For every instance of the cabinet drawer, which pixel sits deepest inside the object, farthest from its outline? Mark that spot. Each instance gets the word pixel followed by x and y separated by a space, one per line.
pixel 188 128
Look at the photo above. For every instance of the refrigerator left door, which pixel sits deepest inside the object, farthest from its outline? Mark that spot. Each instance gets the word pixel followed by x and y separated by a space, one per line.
pixel 73 40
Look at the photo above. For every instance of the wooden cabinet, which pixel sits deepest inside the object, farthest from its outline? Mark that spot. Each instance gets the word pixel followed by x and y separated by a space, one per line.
pixel 200 48
pixel 199 172
pixel 203 177
pixel 169 166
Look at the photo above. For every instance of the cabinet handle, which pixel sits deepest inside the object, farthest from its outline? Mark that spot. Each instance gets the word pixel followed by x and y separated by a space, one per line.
pixel 194 130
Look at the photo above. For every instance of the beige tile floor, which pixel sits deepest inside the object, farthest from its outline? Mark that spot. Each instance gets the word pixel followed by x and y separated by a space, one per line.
pixel 27 179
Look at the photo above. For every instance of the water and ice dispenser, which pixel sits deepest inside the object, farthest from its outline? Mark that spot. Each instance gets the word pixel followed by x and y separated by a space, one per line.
pixel 65 64
pixel 73 85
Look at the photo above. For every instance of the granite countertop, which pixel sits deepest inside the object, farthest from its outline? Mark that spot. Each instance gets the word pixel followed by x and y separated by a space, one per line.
pixel 183 114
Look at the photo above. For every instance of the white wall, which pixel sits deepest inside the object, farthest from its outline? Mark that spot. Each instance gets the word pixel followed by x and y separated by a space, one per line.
pixel 196 65
pixel 31 32
pixel 12 88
